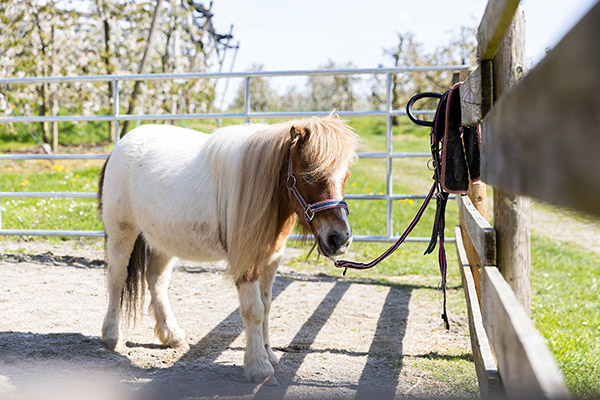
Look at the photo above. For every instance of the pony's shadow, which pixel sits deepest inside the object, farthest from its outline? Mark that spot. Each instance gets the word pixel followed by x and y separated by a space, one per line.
pixel 42 359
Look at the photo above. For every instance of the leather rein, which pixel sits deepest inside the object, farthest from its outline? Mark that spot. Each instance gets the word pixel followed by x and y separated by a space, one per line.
pixel 441 199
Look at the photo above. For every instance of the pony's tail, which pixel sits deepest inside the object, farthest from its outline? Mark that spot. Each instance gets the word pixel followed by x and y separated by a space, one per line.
pixel 101 185
pixel 135 284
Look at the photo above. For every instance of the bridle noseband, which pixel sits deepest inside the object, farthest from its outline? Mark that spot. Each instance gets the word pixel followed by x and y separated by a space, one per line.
pixel 310 209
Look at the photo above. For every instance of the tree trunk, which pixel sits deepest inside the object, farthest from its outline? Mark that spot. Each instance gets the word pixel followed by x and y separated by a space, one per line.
pixel 107 58
pixel 54 104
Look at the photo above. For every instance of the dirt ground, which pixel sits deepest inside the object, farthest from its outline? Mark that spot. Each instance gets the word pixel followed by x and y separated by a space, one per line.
pixel 336 338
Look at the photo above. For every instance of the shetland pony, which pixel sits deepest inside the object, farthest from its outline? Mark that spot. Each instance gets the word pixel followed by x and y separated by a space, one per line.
pixel 172 192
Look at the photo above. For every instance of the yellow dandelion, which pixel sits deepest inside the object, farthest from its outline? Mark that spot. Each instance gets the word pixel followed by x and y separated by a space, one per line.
pixel 77 176
pixel 381 193
pixel 87 180
pixel 57 167
pixel 25 183
pixel 368 189
pixel 73 180
pixel 354 184
pixel 411 202
pixel 67 170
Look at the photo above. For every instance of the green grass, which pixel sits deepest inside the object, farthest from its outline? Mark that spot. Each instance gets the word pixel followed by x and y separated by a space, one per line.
pixel 51 213
pixel 565 287
pixel 565 280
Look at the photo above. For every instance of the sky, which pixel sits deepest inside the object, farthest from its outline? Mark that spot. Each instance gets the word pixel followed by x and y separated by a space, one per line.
pixel 290 34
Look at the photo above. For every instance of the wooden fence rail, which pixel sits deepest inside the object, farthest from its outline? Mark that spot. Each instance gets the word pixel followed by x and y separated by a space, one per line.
pixel 540 139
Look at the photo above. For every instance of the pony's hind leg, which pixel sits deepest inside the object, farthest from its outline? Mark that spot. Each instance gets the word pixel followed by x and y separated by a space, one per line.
pixel 257 367
pixel 158 276
pixel 118 251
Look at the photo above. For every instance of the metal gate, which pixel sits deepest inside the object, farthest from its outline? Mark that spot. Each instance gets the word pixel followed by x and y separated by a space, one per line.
pixel 389 196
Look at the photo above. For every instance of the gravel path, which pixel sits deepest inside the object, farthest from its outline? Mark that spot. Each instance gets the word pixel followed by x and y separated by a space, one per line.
pixel 566 226
pixel 336 338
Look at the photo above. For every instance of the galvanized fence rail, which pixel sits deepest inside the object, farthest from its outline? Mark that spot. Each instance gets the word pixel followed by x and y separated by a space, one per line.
pixel 389 196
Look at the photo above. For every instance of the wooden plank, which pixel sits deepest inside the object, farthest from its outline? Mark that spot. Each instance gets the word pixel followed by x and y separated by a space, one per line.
pixel 526 366
pixel 470 99
pixel 509 62
pixel 490 385
pixel 541 139
pixel 472 257
pixel 496 19
pixel 512 221
pixel 512 212
pixel 482 235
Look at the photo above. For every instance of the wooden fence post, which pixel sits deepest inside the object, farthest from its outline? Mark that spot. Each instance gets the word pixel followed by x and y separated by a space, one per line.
pixel 512 212
pixel 478 196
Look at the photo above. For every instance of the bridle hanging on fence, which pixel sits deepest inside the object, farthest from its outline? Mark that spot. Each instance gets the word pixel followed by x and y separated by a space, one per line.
pixel 455 159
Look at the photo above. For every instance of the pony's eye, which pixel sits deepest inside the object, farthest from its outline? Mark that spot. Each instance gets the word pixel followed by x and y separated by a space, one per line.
pixel 308 178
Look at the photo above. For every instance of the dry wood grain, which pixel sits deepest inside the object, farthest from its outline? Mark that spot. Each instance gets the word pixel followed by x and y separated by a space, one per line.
pixel 488 377
pixel 526 366
pixel 541 139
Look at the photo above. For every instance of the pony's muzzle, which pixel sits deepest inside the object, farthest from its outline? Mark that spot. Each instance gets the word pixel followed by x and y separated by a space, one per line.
pixel 335 242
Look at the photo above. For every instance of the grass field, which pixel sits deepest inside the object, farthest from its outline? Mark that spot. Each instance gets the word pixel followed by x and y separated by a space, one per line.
pixel 565 280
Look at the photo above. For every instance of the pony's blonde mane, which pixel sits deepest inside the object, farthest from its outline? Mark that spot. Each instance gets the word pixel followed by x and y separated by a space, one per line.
pixel 255 212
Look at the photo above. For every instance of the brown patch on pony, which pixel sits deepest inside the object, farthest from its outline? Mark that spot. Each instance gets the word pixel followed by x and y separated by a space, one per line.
pixel 285 230
pixel 250 275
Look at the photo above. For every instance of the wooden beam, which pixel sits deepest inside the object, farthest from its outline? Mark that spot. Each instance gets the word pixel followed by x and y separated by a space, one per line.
pixel 496 19
pixel 512 211
pixel 526 366
pixel 481 233
pixel 490 385
pixel 470 99
pixel 471 108
pixel 541 139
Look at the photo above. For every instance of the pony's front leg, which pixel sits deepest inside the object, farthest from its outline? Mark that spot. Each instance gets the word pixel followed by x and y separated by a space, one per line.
pixel 266 293
pixel 257 367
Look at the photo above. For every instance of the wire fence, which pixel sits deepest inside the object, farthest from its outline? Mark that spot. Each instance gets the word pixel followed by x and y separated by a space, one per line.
pixel 389 196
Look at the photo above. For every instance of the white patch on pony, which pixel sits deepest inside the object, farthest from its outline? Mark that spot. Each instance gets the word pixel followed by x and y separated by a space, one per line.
pixel 338 179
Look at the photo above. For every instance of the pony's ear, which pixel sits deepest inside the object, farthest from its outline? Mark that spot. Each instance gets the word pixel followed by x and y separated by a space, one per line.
pixel 298 134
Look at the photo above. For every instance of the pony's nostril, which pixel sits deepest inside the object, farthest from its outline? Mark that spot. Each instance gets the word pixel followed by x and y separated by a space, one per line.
pixel 337 240
pixel 333 240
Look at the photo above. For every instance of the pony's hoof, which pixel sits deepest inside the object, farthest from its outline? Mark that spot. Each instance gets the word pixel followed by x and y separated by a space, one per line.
pixel 180 345
pixel 171 337
pixel 261 371
pixel 115 344
pixel 271 381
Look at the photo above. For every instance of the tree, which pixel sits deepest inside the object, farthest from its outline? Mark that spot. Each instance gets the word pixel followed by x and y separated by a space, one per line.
pixel 143 63
pixel 460 49
pixel 328 92
pixel 262 96
pixel 90 37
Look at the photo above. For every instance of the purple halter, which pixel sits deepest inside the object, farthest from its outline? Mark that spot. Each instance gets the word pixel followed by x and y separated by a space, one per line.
pixel 311 209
